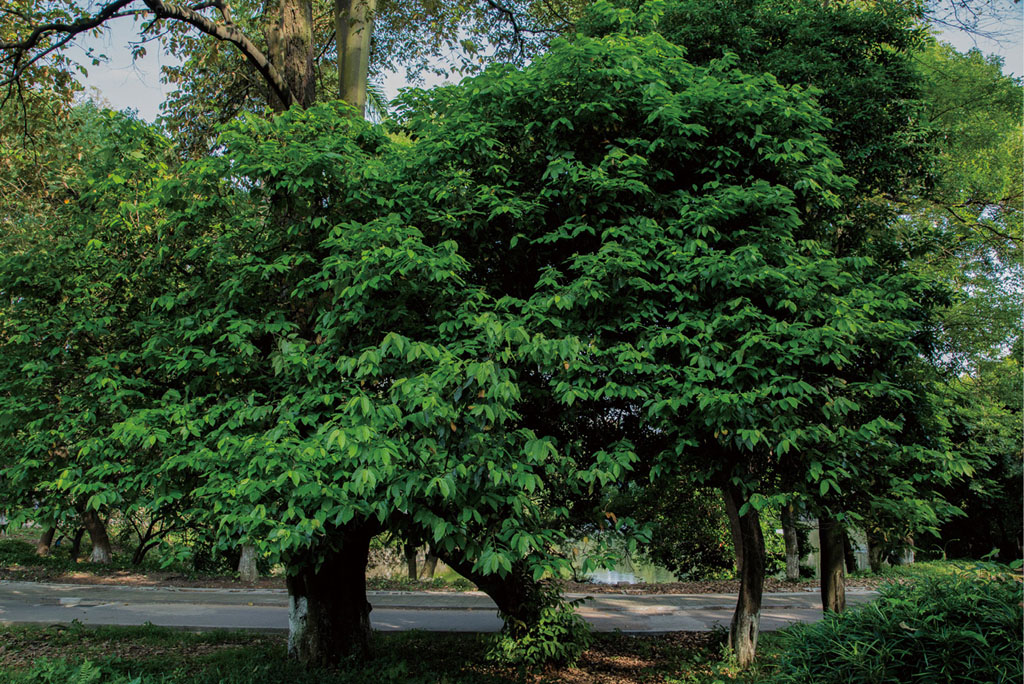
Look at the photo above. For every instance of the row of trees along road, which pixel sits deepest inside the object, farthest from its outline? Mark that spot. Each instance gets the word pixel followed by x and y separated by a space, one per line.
pixel 329 329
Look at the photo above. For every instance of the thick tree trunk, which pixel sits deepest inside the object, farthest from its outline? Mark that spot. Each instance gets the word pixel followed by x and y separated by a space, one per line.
pixel 101 551
pixel 789 534
pixel 45 541
pixel 353 30
pixel 329 616
pixel 247 571
pixel 746 620
pixel 76 543
pixel 429 565
pixel 848 554
pixel 833 578
pixel 290 49
pixel 410 559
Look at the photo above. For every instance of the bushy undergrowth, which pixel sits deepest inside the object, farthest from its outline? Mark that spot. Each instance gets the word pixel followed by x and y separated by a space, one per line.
pixel 559 637
pixel 964 626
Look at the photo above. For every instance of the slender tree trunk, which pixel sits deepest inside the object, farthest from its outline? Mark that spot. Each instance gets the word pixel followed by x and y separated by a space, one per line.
pixel 76 544
pixel 247 571
pixel 429 565
pixel 789 534
pixel 833 578
pixel 410 559
pixel 290 49
pixel 45 541
pixel 101 551
pixel 848 554
pixel 736 531
pixel 876 550
pixel 354 28
pixel 746 620
pixel 329 616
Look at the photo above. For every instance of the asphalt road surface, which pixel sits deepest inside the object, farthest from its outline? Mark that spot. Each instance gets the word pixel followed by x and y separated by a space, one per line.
pixel 267 610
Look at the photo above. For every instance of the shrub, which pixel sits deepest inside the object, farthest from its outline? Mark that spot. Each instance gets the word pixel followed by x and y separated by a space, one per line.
pixel 559 637
pixel 965 627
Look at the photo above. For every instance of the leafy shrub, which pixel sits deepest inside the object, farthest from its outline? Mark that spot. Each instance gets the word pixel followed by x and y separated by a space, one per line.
pixel 965 627
pixel 559 637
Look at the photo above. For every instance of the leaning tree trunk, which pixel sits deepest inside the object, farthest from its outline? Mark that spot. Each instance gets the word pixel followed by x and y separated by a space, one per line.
pixel 353 23
pixel 520 598
pixel 101 551
pixel 833 582
pixel 247 570
pixel 45 541
pixel 328 615
pixel 792 539
pixel 746 620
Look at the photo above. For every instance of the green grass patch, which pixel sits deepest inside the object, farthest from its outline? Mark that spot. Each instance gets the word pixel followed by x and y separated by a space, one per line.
pixel 153 655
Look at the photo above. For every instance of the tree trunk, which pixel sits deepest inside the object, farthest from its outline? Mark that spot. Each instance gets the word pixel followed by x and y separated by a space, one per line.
pixel 45 541
pixel 101 552
pixel 876 550
pixel 734 528
pixel 520 599
pixel 247 571
pixel 429 565
pixel 848 554
pixel 328 614
pixel 792 540
pixel 290 49
pixel 746 620
pixel 76 544
pixel 833 582
pixel 410 559
pixel 353 23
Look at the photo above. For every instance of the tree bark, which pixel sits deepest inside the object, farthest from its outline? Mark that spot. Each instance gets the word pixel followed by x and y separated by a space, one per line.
pixel 429 565
pixel 876 550
pixel 848 554
pixel 328 614
pixel 833 577
pixel 247 571
pixel 76 544
pixel 353 23
pixel 746 620
pixel 290 49
pixel 410 559
pixel 735 530
pixel 789 534
pixel 45 541
pixel 101 551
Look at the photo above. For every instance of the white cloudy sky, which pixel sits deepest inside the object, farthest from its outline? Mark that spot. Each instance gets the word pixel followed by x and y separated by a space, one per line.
pixel 136 85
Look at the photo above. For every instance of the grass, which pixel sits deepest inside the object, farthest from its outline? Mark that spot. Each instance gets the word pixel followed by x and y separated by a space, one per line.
pixel 154 655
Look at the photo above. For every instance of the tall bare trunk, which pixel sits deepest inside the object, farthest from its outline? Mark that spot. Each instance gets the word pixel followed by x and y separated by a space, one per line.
pixel 247 571
pixel 354 29
pixel 45 541
pixel 329 616
pixel 746 620
pixel 410 551
pixel 833 576
pixel 101 551
pixel 290 49
pixel 789 535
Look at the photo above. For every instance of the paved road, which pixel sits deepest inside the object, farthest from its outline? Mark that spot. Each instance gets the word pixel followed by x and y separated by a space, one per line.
pixel 267 610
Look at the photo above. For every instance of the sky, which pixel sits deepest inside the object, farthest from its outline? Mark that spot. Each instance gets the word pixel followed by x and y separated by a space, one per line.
pixel 124 84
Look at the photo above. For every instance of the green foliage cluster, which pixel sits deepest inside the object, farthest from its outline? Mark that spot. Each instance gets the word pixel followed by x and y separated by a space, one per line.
pixel 959 627
pixel 558 637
